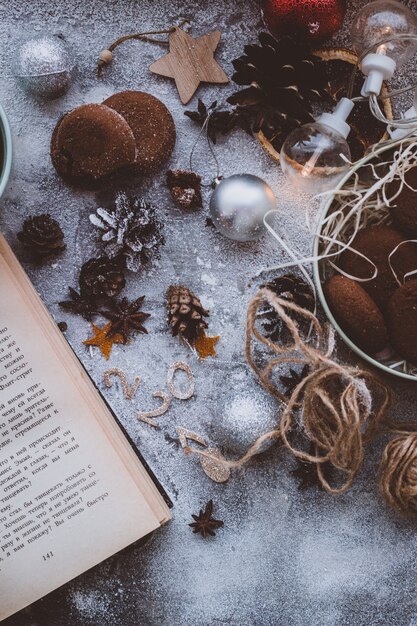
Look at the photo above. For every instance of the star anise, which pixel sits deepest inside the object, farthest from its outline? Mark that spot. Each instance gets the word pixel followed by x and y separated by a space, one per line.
pixel 306 472
pixel 293 379
pixel 80 304
pixel 127 318
pixel 218 121
pixel 204 523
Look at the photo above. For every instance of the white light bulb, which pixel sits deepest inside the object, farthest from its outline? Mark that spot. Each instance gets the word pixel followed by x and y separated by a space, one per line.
pixel 375 22
pixel 316 156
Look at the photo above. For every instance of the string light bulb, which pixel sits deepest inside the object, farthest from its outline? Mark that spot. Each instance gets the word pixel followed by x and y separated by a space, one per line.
pixel 316 156
pixel 382 27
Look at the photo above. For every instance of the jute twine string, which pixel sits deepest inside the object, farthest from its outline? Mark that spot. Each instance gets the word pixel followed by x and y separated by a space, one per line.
pixel 334 401
pixel 339 407
pixel 399 473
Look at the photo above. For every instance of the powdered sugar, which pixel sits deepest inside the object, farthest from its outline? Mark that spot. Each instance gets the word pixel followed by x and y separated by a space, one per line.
pixel 284 556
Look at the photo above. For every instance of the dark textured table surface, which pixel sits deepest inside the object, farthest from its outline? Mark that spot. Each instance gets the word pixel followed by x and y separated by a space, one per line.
pixel 284 557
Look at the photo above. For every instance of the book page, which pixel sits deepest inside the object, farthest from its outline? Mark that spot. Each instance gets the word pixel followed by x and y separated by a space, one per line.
pixel 67 499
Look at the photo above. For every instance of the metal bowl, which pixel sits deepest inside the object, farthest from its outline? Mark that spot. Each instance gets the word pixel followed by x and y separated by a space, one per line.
pixel 6 139
pixel 321 271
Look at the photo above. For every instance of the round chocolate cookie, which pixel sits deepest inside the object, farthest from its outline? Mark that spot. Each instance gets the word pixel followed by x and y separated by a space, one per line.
pixel 90 142
pixel 152 125
pixel 357 314
pixel 377 243
pixel 402 320
pixel 403 208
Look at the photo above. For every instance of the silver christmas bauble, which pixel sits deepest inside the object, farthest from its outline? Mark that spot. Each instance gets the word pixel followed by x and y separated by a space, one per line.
pixel 45 66
pixel 238 206
pixel 244 415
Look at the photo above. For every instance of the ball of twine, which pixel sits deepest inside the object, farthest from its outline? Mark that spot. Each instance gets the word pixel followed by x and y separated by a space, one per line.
pixel 339 407
pixel 399 474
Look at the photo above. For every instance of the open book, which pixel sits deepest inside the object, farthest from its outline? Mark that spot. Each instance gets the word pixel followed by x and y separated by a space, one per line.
pixel 72 489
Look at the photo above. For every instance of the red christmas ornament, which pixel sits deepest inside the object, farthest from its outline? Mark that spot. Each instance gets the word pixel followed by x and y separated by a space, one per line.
pixel 315 19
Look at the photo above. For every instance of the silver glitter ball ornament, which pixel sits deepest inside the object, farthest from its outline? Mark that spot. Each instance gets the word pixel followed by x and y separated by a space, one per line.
pixel 238 206
pixel 45 66
pixel 244 414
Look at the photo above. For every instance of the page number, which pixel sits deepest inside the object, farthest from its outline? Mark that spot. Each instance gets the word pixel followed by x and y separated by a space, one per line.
pixel 47 556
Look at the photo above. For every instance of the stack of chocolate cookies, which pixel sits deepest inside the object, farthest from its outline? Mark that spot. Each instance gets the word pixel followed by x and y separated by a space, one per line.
pixel 378 309
pixel 131 131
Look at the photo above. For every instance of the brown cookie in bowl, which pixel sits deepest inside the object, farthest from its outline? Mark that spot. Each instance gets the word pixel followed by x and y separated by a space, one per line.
pixel 402 320
pixel 357 314
pixel 377 243
pixel 403 207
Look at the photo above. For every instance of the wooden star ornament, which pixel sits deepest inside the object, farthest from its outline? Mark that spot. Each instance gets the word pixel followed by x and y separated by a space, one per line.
pixel 102 339
pixel 190 62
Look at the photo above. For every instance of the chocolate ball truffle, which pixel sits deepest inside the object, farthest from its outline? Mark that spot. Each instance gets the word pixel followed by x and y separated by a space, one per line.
pixel 90 142
pixel 403 208
pixel 152 125
pixel 357 314
pixel 377 243
pixel 402 320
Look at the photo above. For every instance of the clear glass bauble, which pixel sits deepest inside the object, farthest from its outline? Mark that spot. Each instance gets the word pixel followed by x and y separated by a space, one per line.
pixel 383 19
pixel 315 158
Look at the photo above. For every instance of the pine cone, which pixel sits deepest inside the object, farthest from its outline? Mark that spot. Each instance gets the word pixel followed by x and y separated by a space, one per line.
pixel 42 236
pixel 185 188
pixel 132 231
pixel 283 80
pixel 185 313
pixel 287 287
pixel 101 277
